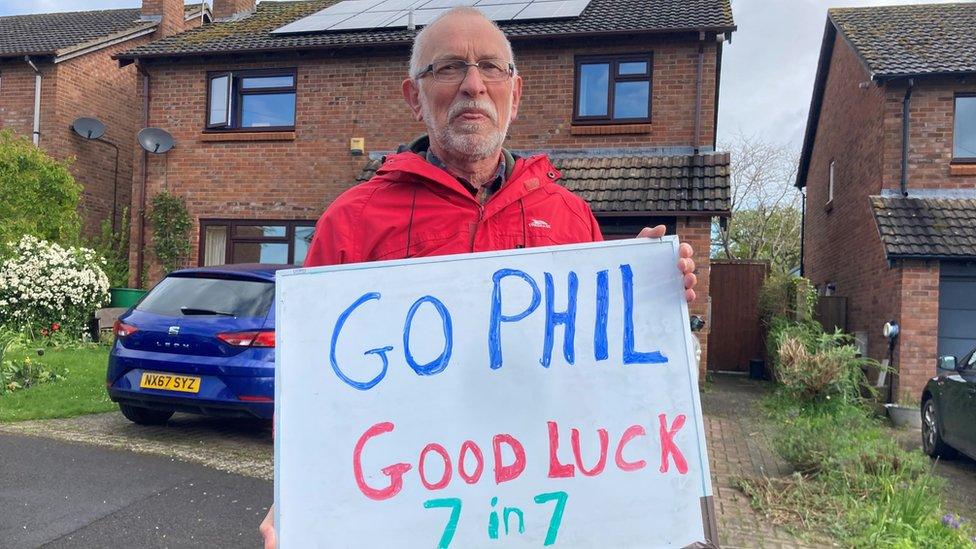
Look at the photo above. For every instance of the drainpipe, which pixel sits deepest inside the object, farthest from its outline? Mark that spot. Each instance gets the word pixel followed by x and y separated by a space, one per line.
pixel 803 223
pixel 37 100
pixel 698 90
pixel 141 236
pixel 905 125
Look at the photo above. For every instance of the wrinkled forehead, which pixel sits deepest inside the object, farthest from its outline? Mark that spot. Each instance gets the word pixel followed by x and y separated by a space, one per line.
pixel 463 37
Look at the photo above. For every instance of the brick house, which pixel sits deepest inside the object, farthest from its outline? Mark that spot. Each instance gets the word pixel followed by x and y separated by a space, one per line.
pixel 889 168
pixel 56 67
pixel 263 121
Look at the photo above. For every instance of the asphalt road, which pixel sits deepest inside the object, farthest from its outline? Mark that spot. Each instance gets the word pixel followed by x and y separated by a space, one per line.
pixel 58 494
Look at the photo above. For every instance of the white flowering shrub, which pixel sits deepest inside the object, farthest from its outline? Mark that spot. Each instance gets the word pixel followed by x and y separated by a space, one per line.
pixel 45 287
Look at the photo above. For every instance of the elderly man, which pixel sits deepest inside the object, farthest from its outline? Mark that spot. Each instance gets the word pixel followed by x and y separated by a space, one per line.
pixel 457 190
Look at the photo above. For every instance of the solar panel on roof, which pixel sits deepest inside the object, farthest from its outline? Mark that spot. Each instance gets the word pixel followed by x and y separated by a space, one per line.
pixel 373 14
pixel 552 9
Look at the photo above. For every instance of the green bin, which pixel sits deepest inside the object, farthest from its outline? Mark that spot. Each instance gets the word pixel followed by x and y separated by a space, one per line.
pixel 125 297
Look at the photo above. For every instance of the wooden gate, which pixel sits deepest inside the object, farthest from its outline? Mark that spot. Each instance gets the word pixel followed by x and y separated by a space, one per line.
pixel 735 335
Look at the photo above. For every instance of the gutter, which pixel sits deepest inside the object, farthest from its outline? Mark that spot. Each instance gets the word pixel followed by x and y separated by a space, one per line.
pixel 37 100
pixel 127 58
pixel 906 106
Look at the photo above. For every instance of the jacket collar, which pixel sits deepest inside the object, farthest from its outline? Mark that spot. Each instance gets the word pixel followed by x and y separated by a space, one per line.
pixel 523 175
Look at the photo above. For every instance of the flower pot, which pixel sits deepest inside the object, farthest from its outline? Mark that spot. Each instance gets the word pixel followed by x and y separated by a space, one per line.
pixel 904 416
pixel 125 297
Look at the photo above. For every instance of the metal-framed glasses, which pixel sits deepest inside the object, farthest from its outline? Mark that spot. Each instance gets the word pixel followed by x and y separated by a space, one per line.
pixel 453 71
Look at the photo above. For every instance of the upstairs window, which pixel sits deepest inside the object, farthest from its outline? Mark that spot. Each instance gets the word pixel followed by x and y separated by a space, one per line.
pixel 613 89
pixel 251 100
pixel 964 129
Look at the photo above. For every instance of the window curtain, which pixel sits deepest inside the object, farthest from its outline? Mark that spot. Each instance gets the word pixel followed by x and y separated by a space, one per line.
pixel 215 245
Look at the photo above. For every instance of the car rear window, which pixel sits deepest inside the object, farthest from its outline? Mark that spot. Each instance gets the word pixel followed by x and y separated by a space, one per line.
pixel 237 297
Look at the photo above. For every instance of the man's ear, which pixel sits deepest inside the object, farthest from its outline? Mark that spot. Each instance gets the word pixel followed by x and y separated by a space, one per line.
pixel 516 96
pixel 411 94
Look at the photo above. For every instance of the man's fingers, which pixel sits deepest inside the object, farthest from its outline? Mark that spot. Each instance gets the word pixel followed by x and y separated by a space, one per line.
pixel 686 265
pixel 689 295
pixel 685 250
pixel 690 281
pixel 268 531
pixel 652 232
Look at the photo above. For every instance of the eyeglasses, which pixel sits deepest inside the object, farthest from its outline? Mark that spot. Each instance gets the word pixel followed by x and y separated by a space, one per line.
pixel 453 71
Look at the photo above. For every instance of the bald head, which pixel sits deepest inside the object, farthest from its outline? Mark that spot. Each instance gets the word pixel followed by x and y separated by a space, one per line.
pixel 453 22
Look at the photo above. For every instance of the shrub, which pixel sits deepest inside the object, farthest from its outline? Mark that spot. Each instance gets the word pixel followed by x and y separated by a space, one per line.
pixel 38 196
pixel 113 247
pixel 787 297
pixel 171 227
pixel 45 287
pixel 815 367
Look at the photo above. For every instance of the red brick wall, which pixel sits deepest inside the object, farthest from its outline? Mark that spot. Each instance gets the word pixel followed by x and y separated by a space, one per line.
pixel 91 85
pixel 930 135
pixel 697 231
pixel 841 242
pixel 228 8
pixel 342 96
pixel 94 85
pixel 917 349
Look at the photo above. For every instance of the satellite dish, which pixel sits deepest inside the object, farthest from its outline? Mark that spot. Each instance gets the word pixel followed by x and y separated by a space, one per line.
pixel 89 128
pixel 155 140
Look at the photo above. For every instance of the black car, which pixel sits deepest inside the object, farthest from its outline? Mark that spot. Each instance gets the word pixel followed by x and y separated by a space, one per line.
pixel 949 408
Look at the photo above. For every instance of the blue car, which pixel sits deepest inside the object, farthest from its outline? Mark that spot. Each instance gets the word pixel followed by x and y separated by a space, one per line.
pixel 201 341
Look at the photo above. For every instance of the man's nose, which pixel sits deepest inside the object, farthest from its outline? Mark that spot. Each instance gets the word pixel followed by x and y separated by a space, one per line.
pixel 473 84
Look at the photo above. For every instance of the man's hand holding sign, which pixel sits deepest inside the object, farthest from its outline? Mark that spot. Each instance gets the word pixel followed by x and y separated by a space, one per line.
pixel 537 397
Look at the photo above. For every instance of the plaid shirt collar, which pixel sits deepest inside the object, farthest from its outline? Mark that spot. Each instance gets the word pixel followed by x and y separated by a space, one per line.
pixel 485 191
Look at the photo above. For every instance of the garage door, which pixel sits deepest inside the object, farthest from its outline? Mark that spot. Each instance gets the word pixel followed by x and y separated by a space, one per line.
pixel 957 308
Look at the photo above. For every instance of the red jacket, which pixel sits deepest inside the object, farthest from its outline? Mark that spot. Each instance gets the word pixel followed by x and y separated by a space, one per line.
pixel 412 208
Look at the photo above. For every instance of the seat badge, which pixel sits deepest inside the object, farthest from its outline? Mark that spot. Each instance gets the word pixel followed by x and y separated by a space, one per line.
pixel 174 330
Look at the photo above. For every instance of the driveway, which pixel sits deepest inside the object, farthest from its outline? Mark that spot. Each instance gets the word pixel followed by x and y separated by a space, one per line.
pixel 243 447
pixel 56 494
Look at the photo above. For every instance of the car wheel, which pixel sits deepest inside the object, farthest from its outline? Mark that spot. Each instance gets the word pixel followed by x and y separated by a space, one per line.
pixel 932 441
pixel 145 416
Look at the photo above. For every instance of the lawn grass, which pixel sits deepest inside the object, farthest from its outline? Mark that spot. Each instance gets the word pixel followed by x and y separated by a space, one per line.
pixel 81 392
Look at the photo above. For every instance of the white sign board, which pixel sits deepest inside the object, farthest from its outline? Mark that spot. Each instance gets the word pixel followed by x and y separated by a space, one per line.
pixel 528 398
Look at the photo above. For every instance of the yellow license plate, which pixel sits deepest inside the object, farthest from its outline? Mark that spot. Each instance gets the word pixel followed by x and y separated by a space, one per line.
pixel 170 382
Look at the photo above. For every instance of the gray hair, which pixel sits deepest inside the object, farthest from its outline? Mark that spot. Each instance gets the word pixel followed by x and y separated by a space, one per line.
pixel 416 65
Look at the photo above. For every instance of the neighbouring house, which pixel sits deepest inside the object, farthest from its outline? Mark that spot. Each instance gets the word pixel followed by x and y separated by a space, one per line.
pixel 889 168
pixel 623 96
pixel 57 67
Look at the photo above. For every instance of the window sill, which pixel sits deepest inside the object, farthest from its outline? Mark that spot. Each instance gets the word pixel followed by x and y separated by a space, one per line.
pixel 962 168
pixel 247 136
pixel 610 129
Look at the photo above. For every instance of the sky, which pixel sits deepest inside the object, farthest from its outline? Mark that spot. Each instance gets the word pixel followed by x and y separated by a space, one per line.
pixel 767 70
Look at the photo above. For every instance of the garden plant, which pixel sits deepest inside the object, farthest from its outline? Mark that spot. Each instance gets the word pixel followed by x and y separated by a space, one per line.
pixel 853 481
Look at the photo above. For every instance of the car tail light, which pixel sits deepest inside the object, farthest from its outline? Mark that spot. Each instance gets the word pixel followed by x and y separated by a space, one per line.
pixel 254 338
pixel 123 330
pixel 255 398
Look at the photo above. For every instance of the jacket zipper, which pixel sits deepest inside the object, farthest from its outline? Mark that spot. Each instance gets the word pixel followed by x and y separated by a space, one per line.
pixel 477 224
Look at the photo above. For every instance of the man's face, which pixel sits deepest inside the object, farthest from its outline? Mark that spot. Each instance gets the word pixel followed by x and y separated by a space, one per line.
pixel 466 120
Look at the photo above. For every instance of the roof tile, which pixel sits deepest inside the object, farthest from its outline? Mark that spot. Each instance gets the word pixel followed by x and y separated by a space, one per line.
pixel 609 189
pixel 912 39
pixel 926 227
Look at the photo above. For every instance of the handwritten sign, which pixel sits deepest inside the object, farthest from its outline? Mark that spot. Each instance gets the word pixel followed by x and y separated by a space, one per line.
pixel 531 398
